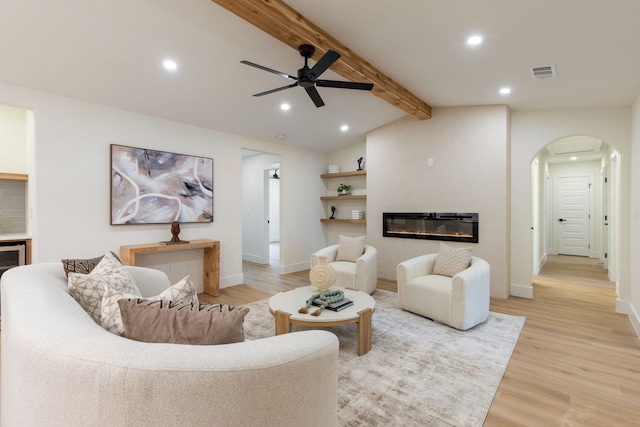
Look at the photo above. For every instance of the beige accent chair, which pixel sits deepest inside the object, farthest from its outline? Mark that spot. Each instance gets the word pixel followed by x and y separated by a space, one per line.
pixel 461 301
pixel 361 275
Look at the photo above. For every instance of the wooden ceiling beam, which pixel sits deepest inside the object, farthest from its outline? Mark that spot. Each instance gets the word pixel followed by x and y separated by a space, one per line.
pixel 279 20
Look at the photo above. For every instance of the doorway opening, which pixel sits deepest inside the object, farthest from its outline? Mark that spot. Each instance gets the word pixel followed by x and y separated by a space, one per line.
pixel 261 175
pixel 573 199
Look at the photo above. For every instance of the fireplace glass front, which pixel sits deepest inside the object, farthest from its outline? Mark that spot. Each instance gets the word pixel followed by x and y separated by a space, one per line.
pixel 456 227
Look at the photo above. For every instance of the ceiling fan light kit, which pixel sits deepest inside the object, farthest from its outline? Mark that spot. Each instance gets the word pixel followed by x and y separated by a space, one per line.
pixel 308 78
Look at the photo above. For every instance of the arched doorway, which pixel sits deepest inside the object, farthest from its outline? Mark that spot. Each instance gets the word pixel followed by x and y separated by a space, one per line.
pixel 573 202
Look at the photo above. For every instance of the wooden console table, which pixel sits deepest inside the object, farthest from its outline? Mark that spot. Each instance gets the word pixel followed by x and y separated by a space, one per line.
pixel 211 274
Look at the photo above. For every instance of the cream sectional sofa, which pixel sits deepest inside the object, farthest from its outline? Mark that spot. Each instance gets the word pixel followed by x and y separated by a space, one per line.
pixel 60 368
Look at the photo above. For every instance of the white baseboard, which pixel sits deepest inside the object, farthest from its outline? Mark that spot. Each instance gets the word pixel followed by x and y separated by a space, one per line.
pixel 226 282
pixel 540 264
pixel 292 268
pixel 625 307
pixel 252 258
pixel 522 291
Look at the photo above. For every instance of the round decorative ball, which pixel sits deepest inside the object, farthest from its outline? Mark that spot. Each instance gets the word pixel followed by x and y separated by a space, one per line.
pixel 322 275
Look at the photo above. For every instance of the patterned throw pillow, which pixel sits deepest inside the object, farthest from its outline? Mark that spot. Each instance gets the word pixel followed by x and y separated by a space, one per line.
pixel 88 289
pixel 182 322
pixel 82 266
pixel 451 261
pixel 350 248
pixel 183 291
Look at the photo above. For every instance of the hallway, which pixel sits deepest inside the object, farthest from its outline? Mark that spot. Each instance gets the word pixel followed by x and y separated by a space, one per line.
pixel 577 360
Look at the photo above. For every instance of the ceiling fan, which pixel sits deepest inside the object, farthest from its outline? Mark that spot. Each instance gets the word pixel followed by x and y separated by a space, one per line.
pixel 308 77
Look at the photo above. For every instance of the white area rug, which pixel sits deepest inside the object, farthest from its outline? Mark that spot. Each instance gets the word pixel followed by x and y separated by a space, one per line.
pixel 419 372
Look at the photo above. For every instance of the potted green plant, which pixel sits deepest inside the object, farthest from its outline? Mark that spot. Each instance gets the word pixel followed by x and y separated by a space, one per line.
pixel 344 189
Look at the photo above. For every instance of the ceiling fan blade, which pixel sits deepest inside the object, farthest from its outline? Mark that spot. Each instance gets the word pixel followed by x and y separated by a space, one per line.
pixel 344 85
pixel 277 89
pixel 315 96
pixel 280 73
pixel 323 64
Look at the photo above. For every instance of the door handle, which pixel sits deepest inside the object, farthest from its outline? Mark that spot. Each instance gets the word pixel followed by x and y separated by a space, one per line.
pixel 561 220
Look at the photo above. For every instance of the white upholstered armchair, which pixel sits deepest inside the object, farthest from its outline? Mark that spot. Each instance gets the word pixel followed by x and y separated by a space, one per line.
pixel 461 301
pixel 361 275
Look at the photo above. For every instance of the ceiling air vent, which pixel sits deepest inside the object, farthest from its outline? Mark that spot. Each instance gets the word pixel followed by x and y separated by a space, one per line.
pixel 543 72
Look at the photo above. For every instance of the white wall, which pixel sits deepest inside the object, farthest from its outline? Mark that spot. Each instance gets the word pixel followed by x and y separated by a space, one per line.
pixel 301 232
pixel 633 309
pixel 539 170
pixel 13 139
pixel 470 173
pixel 347 158
pixel 532 130
pixel 69 184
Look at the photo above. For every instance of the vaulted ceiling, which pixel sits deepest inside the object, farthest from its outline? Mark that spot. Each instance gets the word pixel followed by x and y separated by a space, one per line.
pixel 110 52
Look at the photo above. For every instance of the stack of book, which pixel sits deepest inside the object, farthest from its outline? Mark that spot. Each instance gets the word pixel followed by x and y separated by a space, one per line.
pixel 334 168
pixel 357 214
pixel 335 306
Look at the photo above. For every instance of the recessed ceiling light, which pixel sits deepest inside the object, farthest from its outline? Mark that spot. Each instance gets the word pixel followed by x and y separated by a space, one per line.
pixel 170 64
pixel 474 40
pixel 344 128
pixel 573 158
pixel 505 90
pixel 284 106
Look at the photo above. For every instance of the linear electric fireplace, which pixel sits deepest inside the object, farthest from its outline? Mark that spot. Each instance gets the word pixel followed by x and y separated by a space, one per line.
pixel 456 227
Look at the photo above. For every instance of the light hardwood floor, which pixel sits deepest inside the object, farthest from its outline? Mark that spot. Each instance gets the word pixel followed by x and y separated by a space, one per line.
pixel 576 363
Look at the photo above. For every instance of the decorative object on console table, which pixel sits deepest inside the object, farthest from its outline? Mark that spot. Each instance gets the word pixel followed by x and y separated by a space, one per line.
pixel 211 262
pixel 175 239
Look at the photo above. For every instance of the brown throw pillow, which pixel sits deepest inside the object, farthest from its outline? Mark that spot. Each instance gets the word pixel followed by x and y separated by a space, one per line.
pixel 182 322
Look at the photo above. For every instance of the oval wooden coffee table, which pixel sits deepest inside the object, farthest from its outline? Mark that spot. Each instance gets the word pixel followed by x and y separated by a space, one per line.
pixel 284 307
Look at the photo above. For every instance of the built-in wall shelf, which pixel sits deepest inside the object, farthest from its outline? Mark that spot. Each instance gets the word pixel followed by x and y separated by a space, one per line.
pixel 345 221
pixel 345 197
pixel 14 176
pixel 357 197
pixel 343 174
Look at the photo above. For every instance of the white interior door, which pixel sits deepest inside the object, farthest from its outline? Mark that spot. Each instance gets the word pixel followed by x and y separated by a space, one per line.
pixel 572 215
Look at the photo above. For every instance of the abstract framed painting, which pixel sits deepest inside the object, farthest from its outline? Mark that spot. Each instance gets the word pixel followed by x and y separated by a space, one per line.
pixel 159 187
